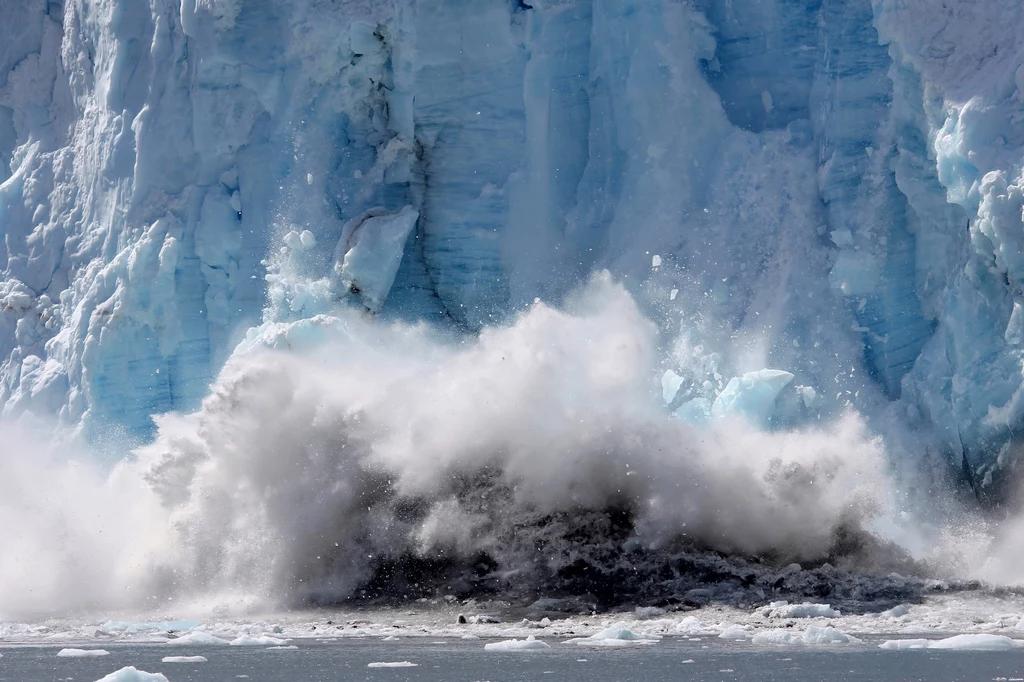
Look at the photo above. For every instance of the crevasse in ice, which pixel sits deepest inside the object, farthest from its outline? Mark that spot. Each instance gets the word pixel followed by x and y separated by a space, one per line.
pixel 829 188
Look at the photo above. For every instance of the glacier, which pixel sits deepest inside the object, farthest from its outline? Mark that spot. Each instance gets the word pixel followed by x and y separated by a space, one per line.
pixel 816 206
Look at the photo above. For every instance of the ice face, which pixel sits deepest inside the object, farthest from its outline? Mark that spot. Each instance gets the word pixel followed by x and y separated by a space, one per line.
pixel 821 191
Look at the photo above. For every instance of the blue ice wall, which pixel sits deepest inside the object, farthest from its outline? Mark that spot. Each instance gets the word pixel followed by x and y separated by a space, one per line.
pixel 824 191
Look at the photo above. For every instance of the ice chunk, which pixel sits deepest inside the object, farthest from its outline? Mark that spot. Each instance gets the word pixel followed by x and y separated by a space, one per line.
pixel 82 653
pixel 197 638
pixel 973 642
pixel 484 618
pixel 370 251
pixel 977 643
pixel 690 624
pixel 183 659
pixel 896 611
pixel 394 664
pixel 751 395
pixel 901 644
pixel 258 640
pixel 696 411
pixel 784 609
pixel 735 632
pixel 814 634
pixel 670 383
pixel 528 644
pixel 616 635
pixel 778 636
pixel 132 674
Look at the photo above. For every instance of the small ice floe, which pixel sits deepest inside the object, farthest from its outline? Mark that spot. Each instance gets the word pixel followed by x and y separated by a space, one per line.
pixel 618 635
pixel 896 611
pixel 531 643
pixel 957 642
pixel 735 632
pixel 197 638
pixel 132 674
pixel 783 609
pixel 183 659
pixel 814 634
pixel 82 653
pixel 392 664
pixel 286 647
pixel 257 640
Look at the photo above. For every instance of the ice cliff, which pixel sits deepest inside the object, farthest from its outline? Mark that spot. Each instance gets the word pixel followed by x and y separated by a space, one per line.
pixel 829 190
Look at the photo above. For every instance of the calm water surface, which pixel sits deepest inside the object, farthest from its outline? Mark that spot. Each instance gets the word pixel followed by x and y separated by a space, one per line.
pixel 466 661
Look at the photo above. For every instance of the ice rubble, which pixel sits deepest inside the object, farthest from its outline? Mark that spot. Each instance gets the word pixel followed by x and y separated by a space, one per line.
pixel 783 609
pixel 812 635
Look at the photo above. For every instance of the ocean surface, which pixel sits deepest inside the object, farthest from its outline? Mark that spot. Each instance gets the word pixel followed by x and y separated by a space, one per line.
pixel 458 660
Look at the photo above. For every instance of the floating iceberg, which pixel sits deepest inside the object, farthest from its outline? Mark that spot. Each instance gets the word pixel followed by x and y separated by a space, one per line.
pixel 973 642
pixel 132 674
pixel 82 653
pixel 529 644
